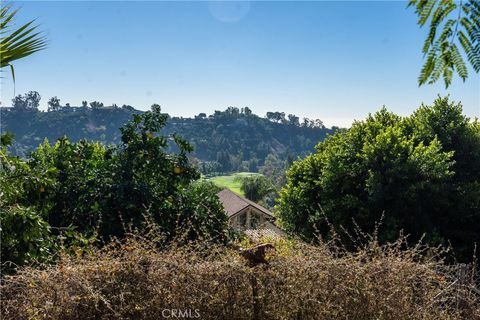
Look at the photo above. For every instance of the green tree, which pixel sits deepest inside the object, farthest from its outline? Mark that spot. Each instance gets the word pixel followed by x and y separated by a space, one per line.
pixel 24 234
pixel 420 172
pixel 53 104
pixel 104 189
pixel 200 215
pixel 96 105
pixel 459 23
pixel 84 189
pixel 274 169
pixel 28 102
pixel 256 187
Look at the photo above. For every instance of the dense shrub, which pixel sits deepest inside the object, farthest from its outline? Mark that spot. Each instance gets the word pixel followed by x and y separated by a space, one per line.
pixel 24 237
pixel 134 280
pixel 421 172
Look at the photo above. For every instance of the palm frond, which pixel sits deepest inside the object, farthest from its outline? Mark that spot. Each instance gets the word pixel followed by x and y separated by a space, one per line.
pixel 17 43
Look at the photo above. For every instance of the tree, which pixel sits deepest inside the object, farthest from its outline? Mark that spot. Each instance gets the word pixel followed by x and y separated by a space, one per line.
pixel 128 107
pixel 256 187
pixel 274 169
pixel 96 105
pixel 28 102
pixel 293 119
pixel 233 111
pixel 19 102
pixel 201 215
pixel 421 172
pixel 33 100
pixel 24 234
pixel 318 123
pixel 17 42
pixel 84 104
pixel 103 189
pixel 224 159
pixel 276 116
pixel 305 122
pixel 54 104
pixel 460 28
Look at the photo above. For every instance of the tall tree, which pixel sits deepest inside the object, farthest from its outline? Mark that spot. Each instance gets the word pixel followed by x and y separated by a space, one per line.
pixel 33 100
pixel 256 187
pixel 29 101
pixel 53 104
pixel 19 102
pixel 96 105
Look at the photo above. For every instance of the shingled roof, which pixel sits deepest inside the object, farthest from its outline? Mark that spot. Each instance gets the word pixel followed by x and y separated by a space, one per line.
pixel 234 203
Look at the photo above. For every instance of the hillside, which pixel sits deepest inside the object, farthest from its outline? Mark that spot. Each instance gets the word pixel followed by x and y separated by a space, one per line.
pixel 228 140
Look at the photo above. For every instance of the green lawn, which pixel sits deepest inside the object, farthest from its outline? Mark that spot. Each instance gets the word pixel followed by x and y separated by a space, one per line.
pixel 232 181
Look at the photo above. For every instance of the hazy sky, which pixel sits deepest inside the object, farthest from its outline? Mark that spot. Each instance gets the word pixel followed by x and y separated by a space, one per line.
pixel 336 61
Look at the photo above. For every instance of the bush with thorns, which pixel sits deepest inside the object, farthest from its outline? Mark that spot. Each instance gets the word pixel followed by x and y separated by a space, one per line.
pixel 135 279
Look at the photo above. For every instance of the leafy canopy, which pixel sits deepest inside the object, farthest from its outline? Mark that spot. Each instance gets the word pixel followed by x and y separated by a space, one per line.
pixel 421 173
pixel 256 187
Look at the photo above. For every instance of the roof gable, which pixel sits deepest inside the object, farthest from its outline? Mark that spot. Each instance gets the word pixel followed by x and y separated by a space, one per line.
pixel 234 203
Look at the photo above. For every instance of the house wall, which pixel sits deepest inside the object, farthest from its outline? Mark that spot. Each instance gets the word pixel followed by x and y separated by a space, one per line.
pixel 249 218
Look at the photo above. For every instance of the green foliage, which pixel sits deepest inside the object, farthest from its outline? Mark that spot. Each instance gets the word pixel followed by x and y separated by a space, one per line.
pixel 67 194
pixel 460 25
pixel 274 169
pixel 227 141
pixel 24 235
pixel 200 215
pixel 256 187
pixel 17 42
pixel 422 173
pixel 144 176
pixel 75 172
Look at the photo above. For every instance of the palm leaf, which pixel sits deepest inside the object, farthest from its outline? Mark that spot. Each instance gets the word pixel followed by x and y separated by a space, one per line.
pixel 17 43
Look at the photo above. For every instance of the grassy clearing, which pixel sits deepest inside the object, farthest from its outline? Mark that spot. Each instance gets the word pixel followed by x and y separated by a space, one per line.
pixel 232 181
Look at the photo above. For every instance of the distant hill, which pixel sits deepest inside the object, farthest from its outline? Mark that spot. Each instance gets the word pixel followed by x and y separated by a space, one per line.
pixel 230 140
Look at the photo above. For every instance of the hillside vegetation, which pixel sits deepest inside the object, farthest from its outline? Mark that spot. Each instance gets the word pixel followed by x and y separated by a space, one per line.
pixel 230 140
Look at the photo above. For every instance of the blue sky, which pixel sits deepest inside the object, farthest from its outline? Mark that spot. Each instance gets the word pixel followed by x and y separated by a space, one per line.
pixel 336 61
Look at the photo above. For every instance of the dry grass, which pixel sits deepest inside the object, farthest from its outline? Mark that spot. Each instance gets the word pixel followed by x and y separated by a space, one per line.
pixel 134 280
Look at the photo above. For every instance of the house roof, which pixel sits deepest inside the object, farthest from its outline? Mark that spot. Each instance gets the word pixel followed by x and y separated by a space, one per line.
pixel 234 203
